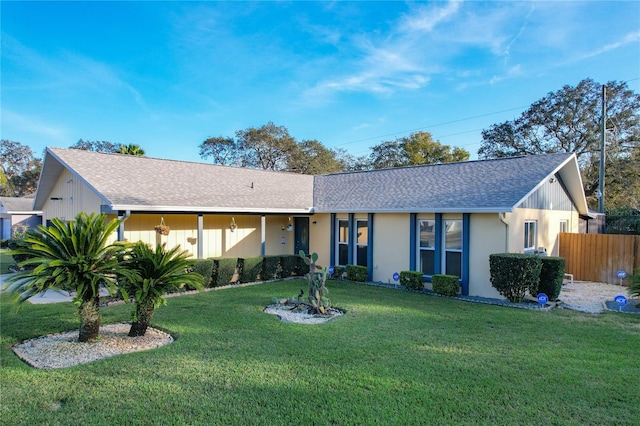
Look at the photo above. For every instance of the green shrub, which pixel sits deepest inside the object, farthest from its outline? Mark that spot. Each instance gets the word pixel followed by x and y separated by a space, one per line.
pixel 302 268
pixel 224 270
pixel 271 267
pixel 357 273
pixel 447 285
pixel 512 274
pixel 551 277
pixel 203 267
pixel 250 269
pixel 289 263
pixel 412 280
pixel 337 272
pixel 4 244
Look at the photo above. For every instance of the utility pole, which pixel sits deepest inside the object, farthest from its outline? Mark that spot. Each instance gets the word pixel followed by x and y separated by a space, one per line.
pixel 603 139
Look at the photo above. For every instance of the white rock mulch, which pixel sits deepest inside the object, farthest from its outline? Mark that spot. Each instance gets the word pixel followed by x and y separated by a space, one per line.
pixel 64 350
pixel 585 296
pixel 287 315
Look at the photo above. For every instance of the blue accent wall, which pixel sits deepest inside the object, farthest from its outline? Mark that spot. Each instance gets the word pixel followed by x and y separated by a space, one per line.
pixel 466 232
pixel 413 241
pixel 439 246
pixel 352 239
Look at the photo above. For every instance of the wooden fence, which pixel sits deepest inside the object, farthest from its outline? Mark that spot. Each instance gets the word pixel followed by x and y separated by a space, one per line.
pixel 598 257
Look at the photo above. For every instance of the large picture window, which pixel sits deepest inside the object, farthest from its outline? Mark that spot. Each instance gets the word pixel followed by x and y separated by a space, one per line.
pixel 427 246
pixel 453 247
pixel 530 235
pixel 343 242
pixel 362 242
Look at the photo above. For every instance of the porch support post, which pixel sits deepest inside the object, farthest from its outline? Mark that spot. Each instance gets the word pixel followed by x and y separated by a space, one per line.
pixel 370 246
pixel 466 232
pixel 413 241
pixel 352 233
pixel 200 236
pixel 437 268
pixel 332 239
pixel 263 235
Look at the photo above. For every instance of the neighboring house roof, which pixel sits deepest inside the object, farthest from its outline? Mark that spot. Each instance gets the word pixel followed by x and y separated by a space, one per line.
pixel 126 182
pixel 17 205
pixel 474 186
pixel 132 183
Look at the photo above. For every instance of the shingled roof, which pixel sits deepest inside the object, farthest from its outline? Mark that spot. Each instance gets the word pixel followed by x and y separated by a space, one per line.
pixel 127 182
pixel 17 205
pixel 473 186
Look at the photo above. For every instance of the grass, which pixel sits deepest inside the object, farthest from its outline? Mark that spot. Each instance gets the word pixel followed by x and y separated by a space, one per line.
pixel 6 260
pixel 395 358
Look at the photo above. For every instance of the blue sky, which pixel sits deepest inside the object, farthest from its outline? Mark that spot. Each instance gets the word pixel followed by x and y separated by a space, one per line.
pixel 167 75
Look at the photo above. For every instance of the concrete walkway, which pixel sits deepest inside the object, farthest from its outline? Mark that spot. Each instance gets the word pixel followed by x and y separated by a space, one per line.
pixel 49 296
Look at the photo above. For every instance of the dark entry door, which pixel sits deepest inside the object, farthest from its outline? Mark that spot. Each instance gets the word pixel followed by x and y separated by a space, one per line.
pixel 301 228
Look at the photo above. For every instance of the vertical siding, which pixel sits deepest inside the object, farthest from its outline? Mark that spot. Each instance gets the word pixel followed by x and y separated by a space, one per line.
pixel 74 197
pixel 550 196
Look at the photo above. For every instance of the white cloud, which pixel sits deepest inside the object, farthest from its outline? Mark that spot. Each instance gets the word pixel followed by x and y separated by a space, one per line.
pixel 17 123
pixel 427 18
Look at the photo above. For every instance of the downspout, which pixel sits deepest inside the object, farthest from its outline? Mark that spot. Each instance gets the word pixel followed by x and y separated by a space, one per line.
pixel 122 219
pixel 503 216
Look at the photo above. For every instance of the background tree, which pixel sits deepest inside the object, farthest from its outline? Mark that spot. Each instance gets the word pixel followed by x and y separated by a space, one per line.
pixel 97 146
pixel 223 150
pixel 312 157
pixel 131 149
pixel 19 169
pixel 569 120
pixel 74 256
pixel 267 147
pixel 418 148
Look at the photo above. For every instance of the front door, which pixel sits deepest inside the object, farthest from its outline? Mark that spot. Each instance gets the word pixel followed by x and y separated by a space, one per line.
pixel 301 227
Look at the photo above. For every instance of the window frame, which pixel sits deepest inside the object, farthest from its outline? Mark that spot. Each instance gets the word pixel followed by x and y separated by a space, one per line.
pixel 357 244
pixel 446 250
pixel 530 228
pixel 339 242
pixel 564 226
pixel 422 248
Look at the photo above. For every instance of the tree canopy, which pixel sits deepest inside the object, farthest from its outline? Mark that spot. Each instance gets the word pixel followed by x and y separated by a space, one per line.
pixel 569 120
pixel 19 169
pixel 416 149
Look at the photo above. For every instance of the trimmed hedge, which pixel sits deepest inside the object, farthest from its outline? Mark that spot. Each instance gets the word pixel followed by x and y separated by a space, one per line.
pixel 551 277
pixel 271 267
pixel 512 274
pixel 203 267
pixel 289 263
pixel 412 280
pixel 250 269
pixel 337 272
pixel 302 269
pixel 224 269
pixel 357 273
pixel 447 285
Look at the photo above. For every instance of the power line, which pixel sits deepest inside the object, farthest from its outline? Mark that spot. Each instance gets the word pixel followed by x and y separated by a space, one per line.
pixel 434 125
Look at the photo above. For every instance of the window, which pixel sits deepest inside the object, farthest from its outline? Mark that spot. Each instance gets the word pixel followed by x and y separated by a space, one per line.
pixel 564 226
pixel 427 246
pixel 362 227
pixel 343 242
pixel 530 235
pixel 452 261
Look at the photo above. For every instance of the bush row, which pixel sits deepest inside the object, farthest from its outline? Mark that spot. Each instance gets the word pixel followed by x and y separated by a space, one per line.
pixel 513 274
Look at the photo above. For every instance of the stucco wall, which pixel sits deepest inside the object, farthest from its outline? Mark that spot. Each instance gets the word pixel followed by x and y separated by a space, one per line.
pixel 320 237
pixel 391 245
pixel 487 236
pixel 548 227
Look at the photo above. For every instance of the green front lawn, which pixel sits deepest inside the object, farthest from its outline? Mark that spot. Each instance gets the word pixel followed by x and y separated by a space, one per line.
pixel 6 260
pixel 395 358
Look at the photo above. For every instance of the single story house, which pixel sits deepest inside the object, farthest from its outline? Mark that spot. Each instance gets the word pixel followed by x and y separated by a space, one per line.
pixel 443 218
pixel 15 213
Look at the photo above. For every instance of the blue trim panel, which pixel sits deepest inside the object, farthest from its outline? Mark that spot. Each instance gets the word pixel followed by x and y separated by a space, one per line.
pixel 370 246
pixel 332 252
pixel 413 241
pixel 437 256
pixel 466 232
pixel 352 233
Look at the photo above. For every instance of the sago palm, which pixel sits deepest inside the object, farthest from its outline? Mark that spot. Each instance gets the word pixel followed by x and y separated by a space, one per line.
pixel 152 275
pixel 71 255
